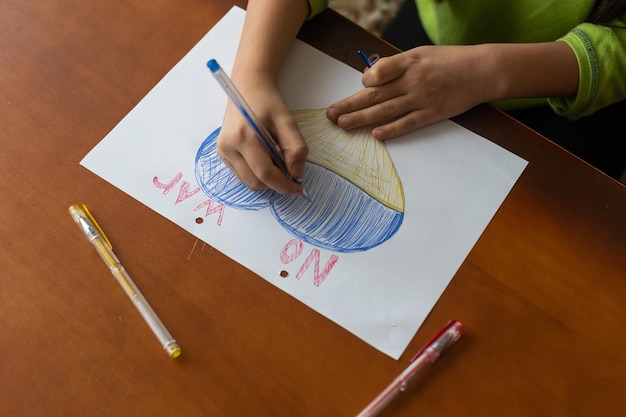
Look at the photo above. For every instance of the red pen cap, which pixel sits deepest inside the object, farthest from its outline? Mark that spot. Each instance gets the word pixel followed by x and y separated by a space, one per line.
pixel 442 340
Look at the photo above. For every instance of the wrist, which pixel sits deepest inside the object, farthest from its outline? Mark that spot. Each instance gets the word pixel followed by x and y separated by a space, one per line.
pixel 538 70
pixel 497 80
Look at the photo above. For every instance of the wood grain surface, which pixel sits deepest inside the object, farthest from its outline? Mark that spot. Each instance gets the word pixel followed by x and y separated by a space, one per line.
pixel 542 293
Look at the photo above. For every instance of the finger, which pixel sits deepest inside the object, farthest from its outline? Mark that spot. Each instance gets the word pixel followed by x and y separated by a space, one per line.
pixel 258 172
pixel 240 168
pixel 380 112
pixel 293 149
pixel 407 123
pixel 381 81
pixel 363 100
pixel 386 70
pixel 295 158
pixel 251 163
pixel 272 177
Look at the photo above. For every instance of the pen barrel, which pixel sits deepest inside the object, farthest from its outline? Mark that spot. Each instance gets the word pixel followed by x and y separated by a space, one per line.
pixel 380 402
pixel 135 295
pixel 396 387
pixel 145 309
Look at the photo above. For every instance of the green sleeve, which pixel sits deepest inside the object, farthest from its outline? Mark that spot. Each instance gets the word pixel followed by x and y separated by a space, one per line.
pixel 601 55
pixel 317 6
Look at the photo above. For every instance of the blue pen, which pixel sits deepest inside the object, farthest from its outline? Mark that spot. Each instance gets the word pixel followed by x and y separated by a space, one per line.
pixel 368 60
pixel 260 130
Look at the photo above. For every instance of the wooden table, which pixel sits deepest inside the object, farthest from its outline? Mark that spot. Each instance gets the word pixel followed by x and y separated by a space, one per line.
pixel 543 292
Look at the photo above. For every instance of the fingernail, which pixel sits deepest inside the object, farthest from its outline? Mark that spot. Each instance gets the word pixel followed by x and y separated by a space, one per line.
pixel 332 114
pixel 344 121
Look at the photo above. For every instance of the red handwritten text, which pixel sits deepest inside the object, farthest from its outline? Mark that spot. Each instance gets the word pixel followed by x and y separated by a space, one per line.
pixel 290 252
pixel 293 249
pixel 184 194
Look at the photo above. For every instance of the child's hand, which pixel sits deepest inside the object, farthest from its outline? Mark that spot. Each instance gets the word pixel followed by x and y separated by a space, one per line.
pixel 240 149
pixel 416 88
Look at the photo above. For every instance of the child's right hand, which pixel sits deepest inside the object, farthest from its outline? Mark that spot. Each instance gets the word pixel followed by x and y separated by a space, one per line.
pixel 241 150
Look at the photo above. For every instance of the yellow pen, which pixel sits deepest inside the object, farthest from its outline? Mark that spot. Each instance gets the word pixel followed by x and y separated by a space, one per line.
pixel 98 239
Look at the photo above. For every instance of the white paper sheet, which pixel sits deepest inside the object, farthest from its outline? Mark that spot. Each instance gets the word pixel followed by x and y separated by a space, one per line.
pixel 451 184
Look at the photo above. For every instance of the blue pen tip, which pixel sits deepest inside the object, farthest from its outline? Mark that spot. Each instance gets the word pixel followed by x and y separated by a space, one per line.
pixel 213 65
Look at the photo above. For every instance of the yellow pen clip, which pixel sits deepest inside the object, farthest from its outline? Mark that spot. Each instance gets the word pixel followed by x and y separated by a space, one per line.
pixel 81 210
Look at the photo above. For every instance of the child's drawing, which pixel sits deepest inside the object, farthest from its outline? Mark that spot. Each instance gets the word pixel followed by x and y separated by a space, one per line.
pixel 357 200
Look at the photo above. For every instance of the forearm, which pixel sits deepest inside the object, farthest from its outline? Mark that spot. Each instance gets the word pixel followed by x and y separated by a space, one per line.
pixel 269 30
pixel 547 69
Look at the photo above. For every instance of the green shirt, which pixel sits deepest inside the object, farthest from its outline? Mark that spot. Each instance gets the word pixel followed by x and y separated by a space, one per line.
pixel 600 50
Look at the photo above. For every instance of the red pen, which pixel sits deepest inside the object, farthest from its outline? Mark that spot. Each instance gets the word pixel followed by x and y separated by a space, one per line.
pixel 428 354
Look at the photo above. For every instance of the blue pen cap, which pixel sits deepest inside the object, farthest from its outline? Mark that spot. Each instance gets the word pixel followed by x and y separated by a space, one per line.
pixel 213 65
